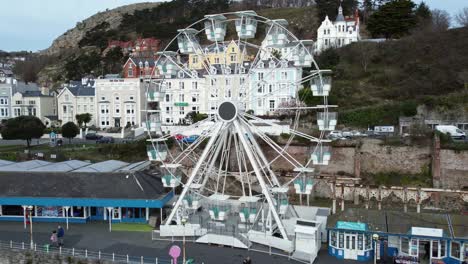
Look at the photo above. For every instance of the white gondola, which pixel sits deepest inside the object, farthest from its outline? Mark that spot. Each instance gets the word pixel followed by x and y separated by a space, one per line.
pixel 321 155
pixel 153 125
pixel 248 209
pixel 218 208
pixel 246 24
pixel 321 84
pixel 303 185
pixel 154 96
pixel 166 64
pixel 277 34
pixel 192 201
pixel 326 121
pixel 157 153
pixel 187 40
pixel 302 56
pixel 171 181
pixel 215 27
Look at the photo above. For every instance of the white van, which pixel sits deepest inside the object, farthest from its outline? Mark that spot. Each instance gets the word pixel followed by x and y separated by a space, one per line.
pixel 453 131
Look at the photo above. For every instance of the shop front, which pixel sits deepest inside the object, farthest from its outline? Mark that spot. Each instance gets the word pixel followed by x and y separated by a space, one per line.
pixel 350 240
pixel 95 197
pixel 398 237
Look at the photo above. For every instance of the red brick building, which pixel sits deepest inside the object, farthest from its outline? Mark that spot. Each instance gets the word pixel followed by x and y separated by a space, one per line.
pixel 138 67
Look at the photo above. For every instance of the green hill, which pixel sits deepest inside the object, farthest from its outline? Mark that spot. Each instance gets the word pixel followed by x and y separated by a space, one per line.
pixel 374 83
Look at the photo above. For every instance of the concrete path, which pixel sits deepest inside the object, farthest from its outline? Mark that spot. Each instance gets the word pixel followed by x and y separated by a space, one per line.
pixel 95 237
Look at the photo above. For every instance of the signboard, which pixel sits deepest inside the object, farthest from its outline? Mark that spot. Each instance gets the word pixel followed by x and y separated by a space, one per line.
pixel 424 231
pixel 384 129
pixel 351 226
pixel 181 104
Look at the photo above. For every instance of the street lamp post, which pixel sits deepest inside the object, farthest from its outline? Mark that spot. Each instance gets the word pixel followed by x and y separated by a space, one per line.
pixel 30 209
pixel 375 238
pixel 184 221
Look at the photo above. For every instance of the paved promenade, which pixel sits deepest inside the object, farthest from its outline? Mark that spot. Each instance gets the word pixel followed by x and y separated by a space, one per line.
pixel 95 237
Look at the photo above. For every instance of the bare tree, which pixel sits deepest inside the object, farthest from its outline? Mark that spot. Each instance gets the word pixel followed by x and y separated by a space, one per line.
pixel 462 17
pixel 440 20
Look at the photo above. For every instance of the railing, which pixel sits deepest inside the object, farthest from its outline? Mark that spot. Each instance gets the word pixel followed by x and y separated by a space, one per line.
pixel 81 253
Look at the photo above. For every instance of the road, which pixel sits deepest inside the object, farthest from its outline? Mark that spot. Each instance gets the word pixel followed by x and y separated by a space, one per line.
pixel 95 236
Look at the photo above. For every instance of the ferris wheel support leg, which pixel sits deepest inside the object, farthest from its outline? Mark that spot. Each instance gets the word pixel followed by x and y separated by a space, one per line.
pixel 194 174
pixel 260 179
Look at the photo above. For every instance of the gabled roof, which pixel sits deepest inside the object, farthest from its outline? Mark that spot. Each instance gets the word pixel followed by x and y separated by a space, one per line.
pixel 34 94
pixel 82 91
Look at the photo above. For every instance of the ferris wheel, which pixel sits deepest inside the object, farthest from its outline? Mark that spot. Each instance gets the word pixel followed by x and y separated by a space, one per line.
pixel 241 70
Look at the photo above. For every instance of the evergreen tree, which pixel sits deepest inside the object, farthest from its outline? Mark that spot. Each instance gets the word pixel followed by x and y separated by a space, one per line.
pixel 423 14
pixel 70 130
pixel 23 127
pixel 393 20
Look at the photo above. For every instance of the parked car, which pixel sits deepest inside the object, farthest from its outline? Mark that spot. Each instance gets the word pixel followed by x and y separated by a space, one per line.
pixel 93 136
pixel 347 134
pixel 190 139
pixel 335 134
pixel 105 140
pixel 179 137
pixel 453 131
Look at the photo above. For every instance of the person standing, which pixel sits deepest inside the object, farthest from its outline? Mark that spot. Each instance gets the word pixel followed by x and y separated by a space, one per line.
pixel 53 238
pixel 60 235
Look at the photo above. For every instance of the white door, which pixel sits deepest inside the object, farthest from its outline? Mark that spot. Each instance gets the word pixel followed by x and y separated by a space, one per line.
pixel 350 247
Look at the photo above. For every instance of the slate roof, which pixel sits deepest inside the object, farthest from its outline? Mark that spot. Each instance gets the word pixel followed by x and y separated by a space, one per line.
pixel 22 87
pixel 375 220
pixel 81 185
pixel 82 91
pixel 34 94
pixel 64 166
pixel 399 222
pixel 105 166
pixel 23 166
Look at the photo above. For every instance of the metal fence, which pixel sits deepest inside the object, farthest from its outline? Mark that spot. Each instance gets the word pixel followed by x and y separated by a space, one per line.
pixel 82 253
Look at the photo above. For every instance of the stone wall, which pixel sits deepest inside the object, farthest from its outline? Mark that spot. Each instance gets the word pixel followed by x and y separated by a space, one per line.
pixel 453 169
pixel 381 158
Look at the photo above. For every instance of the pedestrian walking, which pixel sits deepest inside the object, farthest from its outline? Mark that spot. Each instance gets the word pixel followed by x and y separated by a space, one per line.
pixel 60 235
pixel 54 239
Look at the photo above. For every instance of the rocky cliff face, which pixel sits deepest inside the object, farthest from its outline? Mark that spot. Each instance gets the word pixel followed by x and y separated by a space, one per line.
pixel 71 38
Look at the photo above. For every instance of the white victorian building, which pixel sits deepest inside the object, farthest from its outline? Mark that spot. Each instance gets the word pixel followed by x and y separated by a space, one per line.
pixel 120 101
pixel 334 34
pixel 76 99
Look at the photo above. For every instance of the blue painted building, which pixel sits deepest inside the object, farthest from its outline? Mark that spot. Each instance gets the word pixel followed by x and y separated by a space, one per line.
pixel 80 197
pixel 409 237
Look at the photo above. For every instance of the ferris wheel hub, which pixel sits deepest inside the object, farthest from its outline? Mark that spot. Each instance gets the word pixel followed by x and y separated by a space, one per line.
pixel 227 111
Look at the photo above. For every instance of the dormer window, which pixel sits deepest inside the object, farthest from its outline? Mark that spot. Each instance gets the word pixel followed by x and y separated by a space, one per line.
pixel 271 64
pixel 180 74
pixel 242 70
pixel 213 70
pixel 146 64
pixel 227 70
pixel 284 64
pixel 140 64
pixel 261 65
pixel 194 73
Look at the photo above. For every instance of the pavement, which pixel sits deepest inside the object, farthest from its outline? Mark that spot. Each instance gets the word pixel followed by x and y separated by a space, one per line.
pixel 95 236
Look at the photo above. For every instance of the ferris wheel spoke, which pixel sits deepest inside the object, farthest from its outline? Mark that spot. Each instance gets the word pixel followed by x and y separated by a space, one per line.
pixel 276 148
pixel 194 173
pixel 261 180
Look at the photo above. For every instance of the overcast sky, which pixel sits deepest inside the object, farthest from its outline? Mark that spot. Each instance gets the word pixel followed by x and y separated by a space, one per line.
pixel 34 24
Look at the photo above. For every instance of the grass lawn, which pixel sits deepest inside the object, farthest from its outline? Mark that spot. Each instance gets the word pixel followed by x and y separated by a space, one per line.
pixel 133 227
